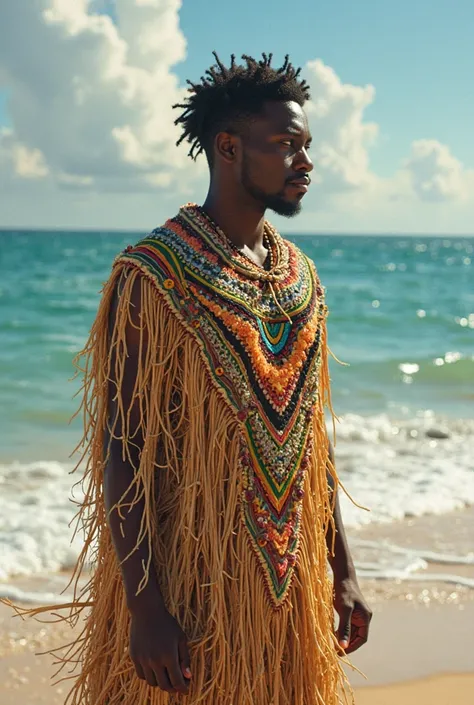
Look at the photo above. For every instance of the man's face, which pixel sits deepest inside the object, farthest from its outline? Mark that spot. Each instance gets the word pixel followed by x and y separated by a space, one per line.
pixel 274 156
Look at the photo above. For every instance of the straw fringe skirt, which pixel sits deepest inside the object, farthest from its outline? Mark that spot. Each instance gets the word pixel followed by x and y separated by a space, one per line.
pixel 244 651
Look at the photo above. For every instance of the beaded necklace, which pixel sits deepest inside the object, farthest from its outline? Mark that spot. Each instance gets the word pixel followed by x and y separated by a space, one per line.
pixel 237 260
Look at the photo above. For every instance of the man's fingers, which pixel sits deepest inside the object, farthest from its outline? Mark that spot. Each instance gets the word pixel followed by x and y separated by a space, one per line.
pixel 360 621
pixel 178 681
pixel 140 672
pixel 355 644
pixel 184 659
pixel 149 676
pixel 163 680
pixel 361 617
pixel 359 636
pixel 344 629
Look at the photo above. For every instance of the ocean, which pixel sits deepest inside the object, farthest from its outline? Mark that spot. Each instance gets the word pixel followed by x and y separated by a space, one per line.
pixel 401 317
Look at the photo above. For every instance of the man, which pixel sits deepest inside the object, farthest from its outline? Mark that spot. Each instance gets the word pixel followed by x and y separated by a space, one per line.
pixel 212 504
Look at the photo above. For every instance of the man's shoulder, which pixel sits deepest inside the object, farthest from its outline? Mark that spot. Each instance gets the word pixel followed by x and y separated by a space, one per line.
pixel 158 253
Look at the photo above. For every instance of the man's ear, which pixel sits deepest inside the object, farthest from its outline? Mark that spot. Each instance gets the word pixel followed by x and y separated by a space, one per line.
pixel 226 146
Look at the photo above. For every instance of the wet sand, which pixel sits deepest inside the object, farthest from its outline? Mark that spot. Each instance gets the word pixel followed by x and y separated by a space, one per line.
pixel 442 690
pixel 415 655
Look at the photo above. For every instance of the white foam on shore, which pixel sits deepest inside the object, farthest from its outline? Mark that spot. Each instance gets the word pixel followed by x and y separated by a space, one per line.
pixel 382 560
pixel 406 468
pixel 27 597
pixel 36 509
pixel 423 465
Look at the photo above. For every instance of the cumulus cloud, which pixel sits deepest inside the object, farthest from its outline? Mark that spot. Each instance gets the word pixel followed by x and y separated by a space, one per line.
pixel 18 161
pixel 90 100
pixel 436 175
pixel 90 106
pixel 341 136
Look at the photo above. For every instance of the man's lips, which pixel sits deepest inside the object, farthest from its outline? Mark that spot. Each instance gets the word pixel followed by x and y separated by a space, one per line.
pixel 300 184
pixel 300 180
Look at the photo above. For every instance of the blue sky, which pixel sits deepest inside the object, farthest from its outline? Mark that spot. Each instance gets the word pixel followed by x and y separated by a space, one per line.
pixel 417 55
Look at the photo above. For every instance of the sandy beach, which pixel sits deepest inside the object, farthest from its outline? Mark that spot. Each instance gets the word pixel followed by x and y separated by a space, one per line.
pixel 442 690
pixel 416 654
pixel 419 651
pixel 420 647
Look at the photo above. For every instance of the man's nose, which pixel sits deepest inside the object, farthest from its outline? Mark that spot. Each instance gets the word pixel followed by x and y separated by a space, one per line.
pixel 303 162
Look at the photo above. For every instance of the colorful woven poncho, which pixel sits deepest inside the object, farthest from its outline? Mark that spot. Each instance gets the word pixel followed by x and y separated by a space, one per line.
pixel 234 470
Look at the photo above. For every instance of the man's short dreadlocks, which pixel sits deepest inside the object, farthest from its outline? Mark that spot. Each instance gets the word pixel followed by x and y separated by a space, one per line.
pixel 227 97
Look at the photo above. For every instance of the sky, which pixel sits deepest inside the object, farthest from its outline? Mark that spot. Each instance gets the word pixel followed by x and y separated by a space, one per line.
pixel 87 138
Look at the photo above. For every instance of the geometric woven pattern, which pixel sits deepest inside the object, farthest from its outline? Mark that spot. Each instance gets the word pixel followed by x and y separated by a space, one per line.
pixel 259 338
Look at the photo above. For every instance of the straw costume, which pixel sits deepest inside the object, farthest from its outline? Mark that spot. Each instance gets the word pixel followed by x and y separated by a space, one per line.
pixel 235 453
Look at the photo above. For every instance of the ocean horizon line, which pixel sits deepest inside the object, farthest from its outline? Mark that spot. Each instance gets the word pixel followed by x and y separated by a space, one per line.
pixel 312 233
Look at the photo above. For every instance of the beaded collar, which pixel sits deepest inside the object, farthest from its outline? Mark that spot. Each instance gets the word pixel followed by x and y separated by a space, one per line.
pixel 218 241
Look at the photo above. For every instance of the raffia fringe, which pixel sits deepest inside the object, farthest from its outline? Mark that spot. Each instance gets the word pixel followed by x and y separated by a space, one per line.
pixel 243 651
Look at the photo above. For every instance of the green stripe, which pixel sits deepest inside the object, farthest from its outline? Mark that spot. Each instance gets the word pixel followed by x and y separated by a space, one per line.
pixel 163 250
pixel 278 589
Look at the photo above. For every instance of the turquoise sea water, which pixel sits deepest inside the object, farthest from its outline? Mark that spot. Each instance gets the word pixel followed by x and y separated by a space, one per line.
pixel 402 316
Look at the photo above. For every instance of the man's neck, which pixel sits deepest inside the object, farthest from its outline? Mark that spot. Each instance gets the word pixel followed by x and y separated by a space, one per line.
pixel 242 225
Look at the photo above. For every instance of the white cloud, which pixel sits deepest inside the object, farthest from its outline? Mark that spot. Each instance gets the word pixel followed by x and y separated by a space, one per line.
pixel 437 175
pixel 29 163
pixel 341 137
pixel 18 161
pixel 94 99
pixel 90 105
pixel 152 33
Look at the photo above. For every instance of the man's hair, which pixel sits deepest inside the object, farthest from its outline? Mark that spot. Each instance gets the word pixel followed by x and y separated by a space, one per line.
pixel 226 98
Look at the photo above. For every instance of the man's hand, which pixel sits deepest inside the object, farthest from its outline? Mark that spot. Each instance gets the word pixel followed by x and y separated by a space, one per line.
pixel 159 651
pixel 354 614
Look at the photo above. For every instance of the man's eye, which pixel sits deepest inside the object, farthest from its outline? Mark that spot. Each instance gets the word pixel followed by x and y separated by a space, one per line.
pixel 287 142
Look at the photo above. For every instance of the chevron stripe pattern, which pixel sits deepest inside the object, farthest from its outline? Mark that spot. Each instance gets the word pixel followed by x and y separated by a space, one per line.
pixel 262 354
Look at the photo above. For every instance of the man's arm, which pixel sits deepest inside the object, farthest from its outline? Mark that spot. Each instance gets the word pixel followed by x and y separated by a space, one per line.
pixel 341 561
pixel 158 646
pixel 354 613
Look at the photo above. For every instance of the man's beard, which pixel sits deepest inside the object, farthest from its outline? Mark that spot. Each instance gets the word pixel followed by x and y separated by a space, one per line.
pixel 274 201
